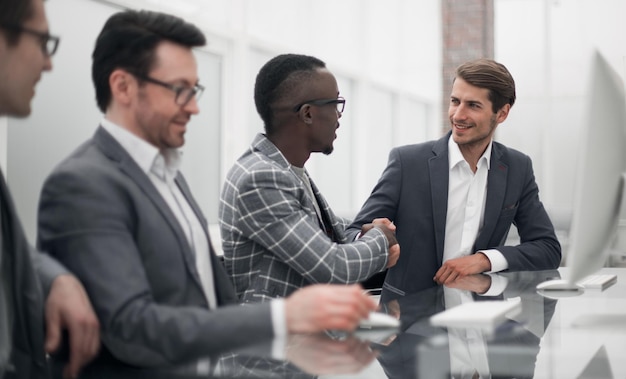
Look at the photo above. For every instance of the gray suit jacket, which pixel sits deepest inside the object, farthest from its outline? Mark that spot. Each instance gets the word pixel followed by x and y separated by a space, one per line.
pixel 413 192
pixel 100 214
pixel 272 238
pixel 20 270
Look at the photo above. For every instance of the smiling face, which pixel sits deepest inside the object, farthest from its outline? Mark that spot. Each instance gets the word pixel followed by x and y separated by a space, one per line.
pixel 22 64
pixel 156 116
pixel 471 117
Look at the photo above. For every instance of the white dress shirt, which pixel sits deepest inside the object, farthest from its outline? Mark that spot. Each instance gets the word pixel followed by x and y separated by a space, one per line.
pixel 467 195
pixel 468 349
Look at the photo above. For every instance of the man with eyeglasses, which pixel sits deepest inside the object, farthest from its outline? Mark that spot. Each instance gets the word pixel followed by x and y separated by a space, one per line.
pixel 120 215
pixel 278 232
pixel 35 290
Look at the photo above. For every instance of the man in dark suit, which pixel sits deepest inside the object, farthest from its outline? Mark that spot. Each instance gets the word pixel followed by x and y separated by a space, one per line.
pixel 453 200
pixel 120 215
pixel 29 280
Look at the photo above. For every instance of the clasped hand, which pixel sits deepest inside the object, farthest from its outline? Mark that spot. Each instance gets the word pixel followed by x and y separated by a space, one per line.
pixel 389 229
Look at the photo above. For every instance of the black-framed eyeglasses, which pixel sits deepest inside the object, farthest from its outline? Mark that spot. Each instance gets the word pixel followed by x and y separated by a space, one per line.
pixel 184 94
pixel 49 43
pixel 339 102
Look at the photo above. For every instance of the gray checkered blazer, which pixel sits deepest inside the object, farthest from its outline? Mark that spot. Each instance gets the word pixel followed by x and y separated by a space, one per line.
pixel 273 240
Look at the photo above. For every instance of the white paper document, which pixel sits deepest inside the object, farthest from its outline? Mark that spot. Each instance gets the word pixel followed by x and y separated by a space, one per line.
pixel 477 314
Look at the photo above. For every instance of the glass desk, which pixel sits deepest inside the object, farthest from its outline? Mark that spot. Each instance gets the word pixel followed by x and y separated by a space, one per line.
pixel 569 337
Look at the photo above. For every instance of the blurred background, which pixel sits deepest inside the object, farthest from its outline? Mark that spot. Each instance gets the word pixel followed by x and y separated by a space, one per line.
pixel 394 61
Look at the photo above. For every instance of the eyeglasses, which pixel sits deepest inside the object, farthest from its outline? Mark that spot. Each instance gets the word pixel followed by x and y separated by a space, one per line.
pixel 184 94
pixel 340 102
pixel 49 43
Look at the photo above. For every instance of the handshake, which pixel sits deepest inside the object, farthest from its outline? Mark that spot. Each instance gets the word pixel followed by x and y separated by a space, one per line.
pixel 389 229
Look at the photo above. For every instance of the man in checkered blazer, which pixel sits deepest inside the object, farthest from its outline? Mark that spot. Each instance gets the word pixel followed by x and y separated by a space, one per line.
pixel 278 232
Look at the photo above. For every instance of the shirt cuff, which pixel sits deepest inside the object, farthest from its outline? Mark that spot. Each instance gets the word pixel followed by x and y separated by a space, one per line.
pixel 498 285
pixel 498 262
pixel 279 323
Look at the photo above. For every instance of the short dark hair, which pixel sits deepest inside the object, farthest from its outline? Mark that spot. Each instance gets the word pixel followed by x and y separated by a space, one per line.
pixel 128 41
pixel 277 79
pixel 494 76
pixel 13 13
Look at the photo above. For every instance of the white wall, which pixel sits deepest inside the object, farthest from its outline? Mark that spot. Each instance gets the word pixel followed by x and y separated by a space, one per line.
pixel 65 114
pixel 547 45
pixel 386 56
pixel 63 111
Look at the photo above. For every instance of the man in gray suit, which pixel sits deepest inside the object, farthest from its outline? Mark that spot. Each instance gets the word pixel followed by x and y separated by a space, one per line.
pixel 278 232
pixel 453 200
pixel 120 215
pixel 29 280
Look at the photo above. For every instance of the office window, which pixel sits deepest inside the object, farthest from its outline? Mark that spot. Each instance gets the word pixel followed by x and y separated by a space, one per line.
pixel 373 140
pixel 334 174
pixel 411 121
pixel 202 149
pixel 64 108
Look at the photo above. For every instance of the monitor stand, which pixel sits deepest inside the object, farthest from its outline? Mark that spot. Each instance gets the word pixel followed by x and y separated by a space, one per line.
pixel 559 288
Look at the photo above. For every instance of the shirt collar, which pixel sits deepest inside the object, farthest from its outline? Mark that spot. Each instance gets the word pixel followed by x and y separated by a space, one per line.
pixel 147 156
pixel 455 156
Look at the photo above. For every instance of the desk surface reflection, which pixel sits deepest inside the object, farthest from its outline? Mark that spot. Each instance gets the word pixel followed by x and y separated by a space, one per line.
pixel 583 336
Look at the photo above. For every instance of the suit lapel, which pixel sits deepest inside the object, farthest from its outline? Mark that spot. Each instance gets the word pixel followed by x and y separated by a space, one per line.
pixel 496 189
pixel 225 292
pixel 438 167
pixel 328 221
pixel 184 189
pixel 116 153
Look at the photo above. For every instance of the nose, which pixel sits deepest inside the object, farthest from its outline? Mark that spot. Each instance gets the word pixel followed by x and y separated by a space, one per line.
pixel 47 62
pixel 192 106
pixel 457 112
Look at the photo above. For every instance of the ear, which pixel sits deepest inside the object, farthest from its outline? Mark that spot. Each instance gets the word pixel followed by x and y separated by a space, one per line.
pixel 123 86
pixel 305 114
pixel 503 113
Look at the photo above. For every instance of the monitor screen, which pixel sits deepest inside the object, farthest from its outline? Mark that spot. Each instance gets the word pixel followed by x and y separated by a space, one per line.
pixel 600 167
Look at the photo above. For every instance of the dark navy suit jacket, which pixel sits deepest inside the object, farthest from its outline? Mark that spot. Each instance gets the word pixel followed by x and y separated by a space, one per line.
pixel 413 193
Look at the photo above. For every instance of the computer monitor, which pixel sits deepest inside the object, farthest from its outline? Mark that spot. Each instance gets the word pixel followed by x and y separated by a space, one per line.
pixel 599 188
